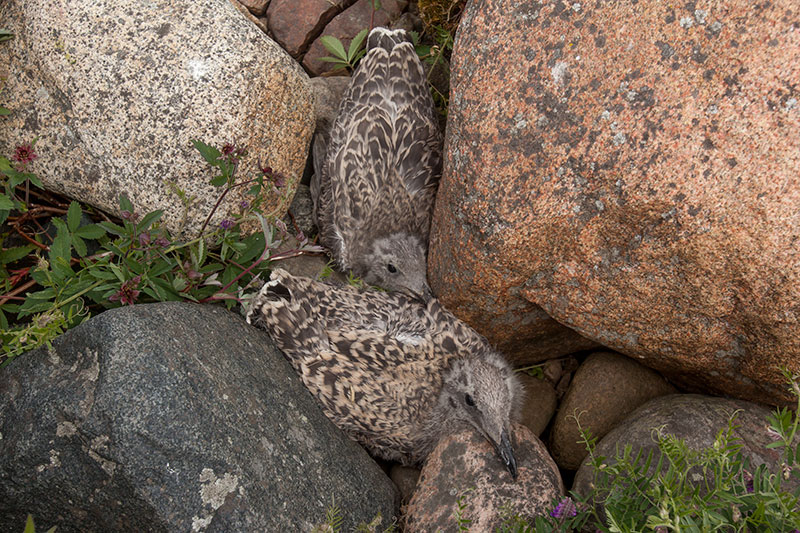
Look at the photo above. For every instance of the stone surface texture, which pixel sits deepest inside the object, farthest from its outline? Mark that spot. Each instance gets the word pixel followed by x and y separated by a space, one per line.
pixel 634 171
pixel 347 24
pixel 295 23
pixel 466 466
pixel 696 419
pixel 174 417
pixel 115 90
pixel 605 389
pixel 539 405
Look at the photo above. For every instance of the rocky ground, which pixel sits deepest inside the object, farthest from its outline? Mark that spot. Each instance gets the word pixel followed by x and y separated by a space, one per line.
pixel 618 216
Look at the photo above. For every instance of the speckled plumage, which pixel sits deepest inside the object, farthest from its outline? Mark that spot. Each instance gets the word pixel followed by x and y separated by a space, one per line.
pixel 375 182
pixel 392 372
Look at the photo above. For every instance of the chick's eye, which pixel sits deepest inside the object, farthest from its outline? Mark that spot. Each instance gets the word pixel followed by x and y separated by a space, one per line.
pixel 391 268
pixel 469 401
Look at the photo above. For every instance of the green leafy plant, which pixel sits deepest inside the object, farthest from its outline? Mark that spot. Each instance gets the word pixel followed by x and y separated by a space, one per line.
pixel 136 258
pixel 334 519
pixel 31 528
pixel 682 489
pixel 340 57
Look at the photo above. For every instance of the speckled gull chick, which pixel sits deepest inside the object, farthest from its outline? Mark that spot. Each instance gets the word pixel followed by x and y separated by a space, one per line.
pixel 375 182
pixel 393 373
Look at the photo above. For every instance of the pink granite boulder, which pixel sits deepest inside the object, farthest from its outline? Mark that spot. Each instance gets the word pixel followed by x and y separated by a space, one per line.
pixel 632 170
pixel 464 480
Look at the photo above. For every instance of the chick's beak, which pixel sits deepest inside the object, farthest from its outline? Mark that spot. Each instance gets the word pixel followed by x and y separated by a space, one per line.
pixel 506 453
pixel 426 295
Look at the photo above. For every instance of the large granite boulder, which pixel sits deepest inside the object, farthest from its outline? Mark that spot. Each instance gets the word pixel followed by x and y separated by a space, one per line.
pixel 115 90
pixel 632 170
pixel 174 417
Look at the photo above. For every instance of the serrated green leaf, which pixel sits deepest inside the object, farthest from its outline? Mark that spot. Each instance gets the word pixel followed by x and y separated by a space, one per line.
pixel 31 306
pixel 40 277
pixel 35 180
pixel 160 267
pixel 4 215
pixel 16 178
pixel 79 245
pixel 125 204
pixel 219 181
pixel 61 269
pixel 209 153
pixel 61 244
pixel 334 46
pixel 112 228
pixel 91 231
pixel 356 43
pixel 73 216
pixel 101 273
pixel 14 254
pixel 149 219
pixel 341 62
pixel 6 203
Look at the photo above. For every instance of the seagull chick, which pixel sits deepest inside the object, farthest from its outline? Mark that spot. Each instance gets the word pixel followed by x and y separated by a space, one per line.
pixel 395 374
pixel 375 182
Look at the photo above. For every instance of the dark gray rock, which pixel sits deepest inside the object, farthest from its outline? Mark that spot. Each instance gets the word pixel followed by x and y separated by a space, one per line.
pixel 173 417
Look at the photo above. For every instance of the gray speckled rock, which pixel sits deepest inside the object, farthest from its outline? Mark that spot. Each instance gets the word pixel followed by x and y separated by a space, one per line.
pixel 696 419
pixel 173 417
pixel 116 89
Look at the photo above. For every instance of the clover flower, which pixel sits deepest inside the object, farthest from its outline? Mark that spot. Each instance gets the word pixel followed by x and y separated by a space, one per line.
pixel 127 294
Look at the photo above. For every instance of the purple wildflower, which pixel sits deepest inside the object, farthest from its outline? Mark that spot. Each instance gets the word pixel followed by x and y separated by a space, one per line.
pixel 162 242
pixel 24 154
pixel 278 179
pixel 144 238
pixel 244 204
pixel 565 507
pixel 227 223
pixel 130 217
pixel 127 294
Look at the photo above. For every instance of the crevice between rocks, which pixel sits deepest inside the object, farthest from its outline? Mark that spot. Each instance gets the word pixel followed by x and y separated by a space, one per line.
pixel 320 26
